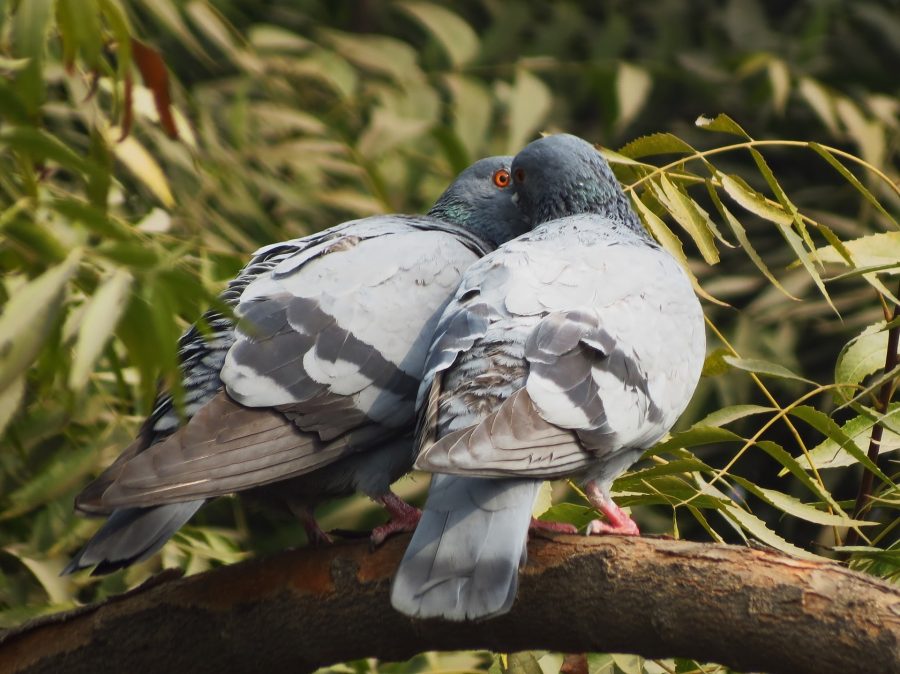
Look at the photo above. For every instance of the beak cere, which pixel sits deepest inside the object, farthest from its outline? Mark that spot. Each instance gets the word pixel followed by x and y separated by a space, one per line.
pixel 515 198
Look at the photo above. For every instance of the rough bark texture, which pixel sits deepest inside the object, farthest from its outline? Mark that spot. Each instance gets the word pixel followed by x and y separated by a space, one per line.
pixel 298 610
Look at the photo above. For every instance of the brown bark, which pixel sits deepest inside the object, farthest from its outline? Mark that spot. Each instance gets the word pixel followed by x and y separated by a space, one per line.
pixel 746 608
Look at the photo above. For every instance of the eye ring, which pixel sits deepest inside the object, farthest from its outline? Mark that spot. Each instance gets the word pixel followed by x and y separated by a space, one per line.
pixel 520 175
pixel 501 178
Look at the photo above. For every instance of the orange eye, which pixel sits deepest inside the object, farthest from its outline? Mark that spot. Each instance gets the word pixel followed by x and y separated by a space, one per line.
pixel 520 175
pixel 501 178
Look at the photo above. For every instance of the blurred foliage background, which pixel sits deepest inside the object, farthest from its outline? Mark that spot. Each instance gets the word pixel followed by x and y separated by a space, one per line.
pixel 148 147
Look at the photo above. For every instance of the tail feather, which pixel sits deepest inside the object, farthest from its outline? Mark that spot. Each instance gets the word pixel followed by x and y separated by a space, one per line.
pixel 131 535
pixel 463 560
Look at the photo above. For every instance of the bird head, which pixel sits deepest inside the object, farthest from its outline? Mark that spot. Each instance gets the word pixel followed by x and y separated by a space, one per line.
pixel 562 175
pixel 481 200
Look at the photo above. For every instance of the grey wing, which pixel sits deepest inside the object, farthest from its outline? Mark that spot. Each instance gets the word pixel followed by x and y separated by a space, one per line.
pixel 201 355
pixel 326 363
pixel 613 372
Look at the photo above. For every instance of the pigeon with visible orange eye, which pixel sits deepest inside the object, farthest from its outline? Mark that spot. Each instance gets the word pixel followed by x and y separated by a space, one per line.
pixel 312 395
pixel 564 353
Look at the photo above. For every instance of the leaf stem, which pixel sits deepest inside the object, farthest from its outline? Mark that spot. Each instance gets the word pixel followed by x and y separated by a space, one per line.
pixel 884 399
pixel 702 154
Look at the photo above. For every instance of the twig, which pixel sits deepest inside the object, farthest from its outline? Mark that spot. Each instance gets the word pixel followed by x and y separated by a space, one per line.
pixel 884 399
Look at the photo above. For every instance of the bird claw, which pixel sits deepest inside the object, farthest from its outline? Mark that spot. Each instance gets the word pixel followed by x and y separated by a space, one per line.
pixel 400 524
pixel 625 527
pixel 404 518
pixel 543 526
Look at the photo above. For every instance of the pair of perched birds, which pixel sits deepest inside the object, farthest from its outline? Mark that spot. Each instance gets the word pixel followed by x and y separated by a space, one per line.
pixel 529 318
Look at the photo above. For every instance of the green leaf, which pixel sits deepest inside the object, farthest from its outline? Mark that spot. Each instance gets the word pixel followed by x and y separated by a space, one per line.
pixel 79 25
pixel 852 179
pixel 882 249
pixel 384 55
pixel 821 102
pixel 830 452
pixel 670 242
pixel 40 145
pixel 722 123
pixel 28 316
pixel 633 85
pixel 654 144
pixel 733 413
pixel 472 111
pixel 764 367
pixel 797 508
pixel 145 168
pixel 741 235
pixel 781 195
pixel 757 528
pixel 714 364
pixel 690 216
pixel 455 35
pixel 863 355
pixel 60 474
pixel 544 500
pixel 569 513
pixel 752 200
pixel 529 103
pixel 10 400
pixel 523 663
pixel 826 425
pixel 696 435
pixel 97 325
pixel 31 23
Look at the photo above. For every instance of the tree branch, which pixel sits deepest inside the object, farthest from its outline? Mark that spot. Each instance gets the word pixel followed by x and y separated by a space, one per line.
pixel 746 608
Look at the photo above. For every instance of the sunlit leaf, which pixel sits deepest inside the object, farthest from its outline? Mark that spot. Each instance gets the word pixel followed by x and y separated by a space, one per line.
pixel 830 452
pixel 862 356
pixel 529 104
pixel 868 134
pixel 28 316
pixel 882 250
pixel 780 79
pixel 145 168
pixel 63 471
pixel 852 179
pixel 40 145
pixel 690 216
pixel 722 123
pixel 633 85
pixel 472 111
pixel 455 35
pixel 758 529
pixel 820 101
pixel 741 235
pixel 10 399
pixel 727 415
pixel 654 144
pixel 826 425
pixel 670 242
pixel 764 367
pixel 97 324
pixel 31 23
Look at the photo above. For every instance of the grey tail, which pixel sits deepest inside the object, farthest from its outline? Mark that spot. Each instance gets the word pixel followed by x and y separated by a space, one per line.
pixel 131 535
pixel 463 560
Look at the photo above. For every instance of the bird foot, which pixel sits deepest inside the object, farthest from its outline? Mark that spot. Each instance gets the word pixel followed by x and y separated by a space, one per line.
pixel 404 517
pixel 617 520
pixel 315 535
pixel 598 527
pixel 552 527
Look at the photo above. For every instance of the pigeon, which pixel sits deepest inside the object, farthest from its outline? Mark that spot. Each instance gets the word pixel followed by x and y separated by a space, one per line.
pixel 565 353
pixel 311 394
